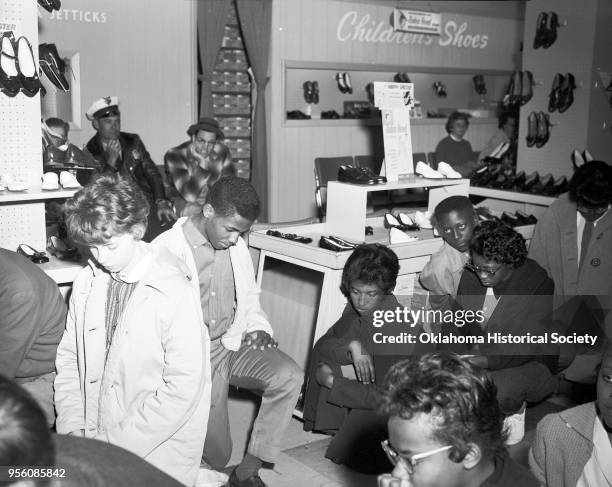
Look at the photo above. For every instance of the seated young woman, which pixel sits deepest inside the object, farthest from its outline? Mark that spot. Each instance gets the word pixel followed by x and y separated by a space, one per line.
pixel 368 280
pixel 512 297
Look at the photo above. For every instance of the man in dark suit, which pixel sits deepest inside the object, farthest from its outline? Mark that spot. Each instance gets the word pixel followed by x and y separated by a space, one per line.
pixel 124 153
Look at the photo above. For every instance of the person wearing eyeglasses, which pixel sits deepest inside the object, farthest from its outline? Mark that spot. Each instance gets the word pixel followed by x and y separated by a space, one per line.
pixel 445 427
pixel 195 165
pixel 513 295
pixel 454 219
pixel 572 241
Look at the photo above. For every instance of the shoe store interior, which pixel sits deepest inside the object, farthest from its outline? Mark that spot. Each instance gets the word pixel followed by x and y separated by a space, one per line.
pixel 355 121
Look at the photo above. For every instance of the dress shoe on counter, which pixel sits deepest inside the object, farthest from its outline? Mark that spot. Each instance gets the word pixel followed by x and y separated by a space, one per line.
pixel 297 115
pixel 396 236
pixel 479 175
pixel 447 171
pixel 370 174
pixel 392 221
pixel 34 255
pixel 423 219
pixel 517 181
pixel 68 181
pixel 559 186
pixel 408 222
pixel 424 170
pixel 527 219
pixel 352 175
pixel 530 181
pixel 289 236
pixel 330 115
pixel 333 245
pixel 510 220
pixel 62 250
pixel 54 156
pixel 50 181
pixel 543 184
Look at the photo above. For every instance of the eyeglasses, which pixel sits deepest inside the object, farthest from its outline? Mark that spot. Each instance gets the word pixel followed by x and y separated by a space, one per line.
pixel 481 270
pixel 409 463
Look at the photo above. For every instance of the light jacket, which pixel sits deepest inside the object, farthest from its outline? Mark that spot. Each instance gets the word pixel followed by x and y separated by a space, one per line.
pixel 153 395
pixel 555 247
pixel 248 316
pixel 562 446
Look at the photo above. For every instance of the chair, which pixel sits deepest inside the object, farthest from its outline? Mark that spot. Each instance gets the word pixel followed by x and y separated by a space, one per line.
pixel 432 160
pixel 374 163
pixel 325 170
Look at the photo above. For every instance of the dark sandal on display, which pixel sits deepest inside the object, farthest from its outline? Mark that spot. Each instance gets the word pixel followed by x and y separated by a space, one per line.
pixel 289 236
pixel 32 254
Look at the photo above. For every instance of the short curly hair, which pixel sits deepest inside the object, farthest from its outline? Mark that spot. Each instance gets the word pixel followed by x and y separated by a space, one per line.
pixel 460 397
pixel 109 206
pixel 453 117
pixel 591 184
pixel 233 195
pixel 496 241
pixel 373 264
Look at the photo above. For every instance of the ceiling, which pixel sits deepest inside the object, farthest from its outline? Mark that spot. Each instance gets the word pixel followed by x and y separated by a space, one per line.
pixel 507 9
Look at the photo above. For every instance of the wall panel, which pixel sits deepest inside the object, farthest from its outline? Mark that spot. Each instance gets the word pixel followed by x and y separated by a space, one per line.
pixel 307 31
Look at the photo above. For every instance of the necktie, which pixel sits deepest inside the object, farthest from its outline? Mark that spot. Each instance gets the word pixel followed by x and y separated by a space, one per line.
pixel 586 238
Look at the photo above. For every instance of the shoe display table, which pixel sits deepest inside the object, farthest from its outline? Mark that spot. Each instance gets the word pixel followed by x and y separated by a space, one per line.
pixel 301 282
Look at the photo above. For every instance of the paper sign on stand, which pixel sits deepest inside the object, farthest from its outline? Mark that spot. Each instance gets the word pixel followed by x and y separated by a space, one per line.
pixel 395 101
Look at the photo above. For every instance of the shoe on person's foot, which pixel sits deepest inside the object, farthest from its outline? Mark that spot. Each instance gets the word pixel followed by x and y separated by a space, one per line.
pixel 252 481
pixel 448 171
pixel 427 172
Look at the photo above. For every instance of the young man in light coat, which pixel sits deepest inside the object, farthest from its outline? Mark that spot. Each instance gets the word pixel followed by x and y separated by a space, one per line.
pixel 133 364
pixel 243 352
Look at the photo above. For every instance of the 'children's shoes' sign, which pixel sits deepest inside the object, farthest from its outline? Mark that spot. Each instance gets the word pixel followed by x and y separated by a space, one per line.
pixel 364 28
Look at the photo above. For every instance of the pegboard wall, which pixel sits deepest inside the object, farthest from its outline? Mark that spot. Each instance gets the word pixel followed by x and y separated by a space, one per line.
pixel 572 52
pixel 20 138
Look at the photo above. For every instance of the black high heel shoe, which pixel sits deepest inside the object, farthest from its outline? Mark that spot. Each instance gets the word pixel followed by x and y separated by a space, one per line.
pixel 50 5
pixel 32 254
pixel 53 66
pixel 9 72
pixel 26 65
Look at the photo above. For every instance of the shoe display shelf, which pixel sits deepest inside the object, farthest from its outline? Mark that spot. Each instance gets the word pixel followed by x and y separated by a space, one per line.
pixel 514 196
pixel 459 82
pixel 346 203
pixel 34 193
pixel 22 213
